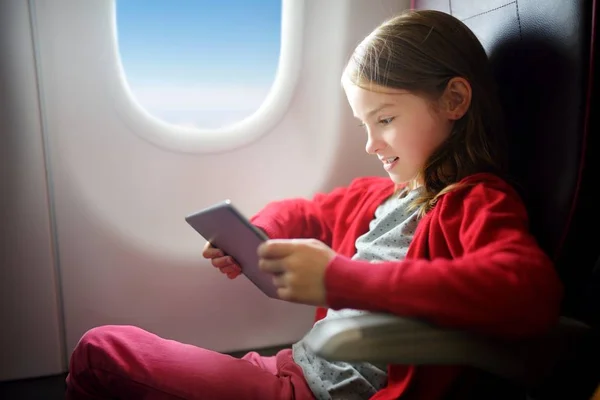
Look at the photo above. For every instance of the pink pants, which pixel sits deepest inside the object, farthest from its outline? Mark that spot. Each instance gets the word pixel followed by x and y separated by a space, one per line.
pixel 125 362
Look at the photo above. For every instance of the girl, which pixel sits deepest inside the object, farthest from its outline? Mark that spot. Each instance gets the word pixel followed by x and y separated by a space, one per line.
pixel 445 239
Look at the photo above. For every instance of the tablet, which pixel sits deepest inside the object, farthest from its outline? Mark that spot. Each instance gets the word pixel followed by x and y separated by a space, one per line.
pixel 227 229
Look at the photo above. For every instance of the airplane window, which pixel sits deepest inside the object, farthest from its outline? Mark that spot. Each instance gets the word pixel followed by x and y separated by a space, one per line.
pixel 202 64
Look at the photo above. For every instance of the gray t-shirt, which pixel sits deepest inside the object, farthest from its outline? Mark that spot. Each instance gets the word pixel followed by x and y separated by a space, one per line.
pixel 388 238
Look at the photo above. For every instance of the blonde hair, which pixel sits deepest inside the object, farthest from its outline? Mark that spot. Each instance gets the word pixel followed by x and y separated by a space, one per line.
pixel 420 51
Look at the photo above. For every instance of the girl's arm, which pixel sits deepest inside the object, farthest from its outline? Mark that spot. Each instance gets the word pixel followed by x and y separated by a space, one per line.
pixel 300 218
pixel 320 217
pixel 497 280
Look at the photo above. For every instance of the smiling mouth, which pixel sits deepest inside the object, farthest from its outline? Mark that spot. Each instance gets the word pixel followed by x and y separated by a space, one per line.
pixel 390 163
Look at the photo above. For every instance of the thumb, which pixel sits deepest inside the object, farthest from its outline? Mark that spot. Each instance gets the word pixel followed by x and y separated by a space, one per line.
pixel 277 248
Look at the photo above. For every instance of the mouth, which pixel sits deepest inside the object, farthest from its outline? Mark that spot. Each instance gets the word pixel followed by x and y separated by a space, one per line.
pixel 389 163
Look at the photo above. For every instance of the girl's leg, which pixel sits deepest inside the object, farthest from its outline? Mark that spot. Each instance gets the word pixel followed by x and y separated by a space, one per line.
pixel 125 362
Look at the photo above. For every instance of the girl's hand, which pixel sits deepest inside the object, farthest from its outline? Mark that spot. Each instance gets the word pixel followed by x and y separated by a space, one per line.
pixel 225 263
pixel 298 266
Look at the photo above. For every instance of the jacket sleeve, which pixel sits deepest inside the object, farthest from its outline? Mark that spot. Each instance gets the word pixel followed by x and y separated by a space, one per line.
pixel 498 281
pixel 301 218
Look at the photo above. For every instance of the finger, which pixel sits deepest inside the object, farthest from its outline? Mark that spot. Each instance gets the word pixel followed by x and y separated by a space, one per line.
pixel 221 262
pixel 279 280
pixel 231 269
pixel 285 293
pixel 211 252
pixel 271 266
pixel 277 248
pixel 233 275
pixel 207 246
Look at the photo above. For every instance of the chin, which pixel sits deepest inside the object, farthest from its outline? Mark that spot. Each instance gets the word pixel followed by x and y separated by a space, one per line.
pixel 400 180
pixel 403 179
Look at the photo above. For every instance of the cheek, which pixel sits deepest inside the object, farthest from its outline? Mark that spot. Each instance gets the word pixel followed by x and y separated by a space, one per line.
pixel 418 138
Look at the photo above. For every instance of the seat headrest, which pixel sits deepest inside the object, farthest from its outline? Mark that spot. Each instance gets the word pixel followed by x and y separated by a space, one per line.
pixel 540 54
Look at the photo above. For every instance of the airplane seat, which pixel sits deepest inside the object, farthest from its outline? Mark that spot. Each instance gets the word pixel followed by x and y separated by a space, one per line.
pixel 540 52
pixel 543 56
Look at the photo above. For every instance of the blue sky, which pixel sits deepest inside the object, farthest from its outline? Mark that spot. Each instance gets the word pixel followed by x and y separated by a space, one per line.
pixel 205 63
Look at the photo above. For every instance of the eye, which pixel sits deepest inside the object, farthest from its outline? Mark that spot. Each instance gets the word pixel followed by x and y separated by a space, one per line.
pixel 363 125
pixel 386 121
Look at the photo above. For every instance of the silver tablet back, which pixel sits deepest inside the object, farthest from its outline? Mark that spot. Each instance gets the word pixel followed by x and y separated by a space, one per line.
pixel 227 229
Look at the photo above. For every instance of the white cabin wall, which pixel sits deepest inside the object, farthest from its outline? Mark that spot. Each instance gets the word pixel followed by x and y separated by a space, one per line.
pixel 125 254
pixel 30 321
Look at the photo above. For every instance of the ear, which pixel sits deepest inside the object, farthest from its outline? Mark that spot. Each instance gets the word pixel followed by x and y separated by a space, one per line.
pixel 457 98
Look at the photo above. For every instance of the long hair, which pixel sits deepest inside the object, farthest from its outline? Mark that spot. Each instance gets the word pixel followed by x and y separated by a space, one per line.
pixel 421 51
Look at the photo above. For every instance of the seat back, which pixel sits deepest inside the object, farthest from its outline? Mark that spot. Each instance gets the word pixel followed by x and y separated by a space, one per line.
pixel 543 54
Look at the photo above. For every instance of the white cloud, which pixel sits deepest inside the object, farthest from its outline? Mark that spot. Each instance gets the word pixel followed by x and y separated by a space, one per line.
pixel 200 106
pixel 200 98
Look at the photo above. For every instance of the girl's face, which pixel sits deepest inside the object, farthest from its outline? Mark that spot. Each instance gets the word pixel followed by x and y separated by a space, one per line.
pixel 403 129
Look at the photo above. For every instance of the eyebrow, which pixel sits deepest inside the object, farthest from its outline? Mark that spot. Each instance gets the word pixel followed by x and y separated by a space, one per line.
pixel 381 107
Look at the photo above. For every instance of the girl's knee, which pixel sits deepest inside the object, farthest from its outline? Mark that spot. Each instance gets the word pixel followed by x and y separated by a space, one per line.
pixel 100 335
pixel 99 352
pixel 99 345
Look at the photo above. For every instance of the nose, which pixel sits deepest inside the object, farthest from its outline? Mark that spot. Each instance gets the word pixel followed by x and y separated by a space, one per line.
pixel 374 144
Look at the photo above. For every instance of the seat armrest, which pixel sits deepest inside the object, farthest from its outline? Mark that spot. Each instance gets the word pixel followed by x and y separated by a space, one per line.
pixel 383 338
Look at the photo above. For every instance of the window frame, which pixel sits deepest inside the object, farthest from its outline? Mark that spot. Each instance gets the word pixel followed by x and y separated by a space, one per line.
pixel 195 140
